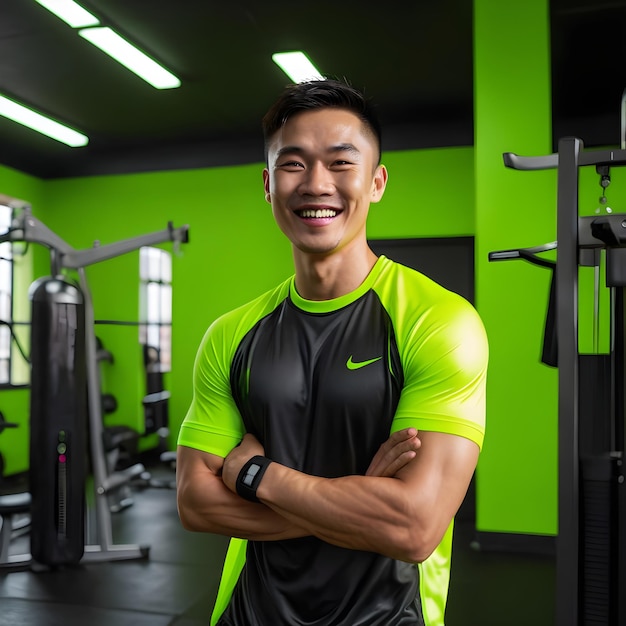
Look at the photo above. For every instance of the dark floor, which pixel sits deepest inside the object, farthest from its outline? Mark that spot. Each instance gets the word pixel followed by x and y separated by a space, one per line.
pixel 177 583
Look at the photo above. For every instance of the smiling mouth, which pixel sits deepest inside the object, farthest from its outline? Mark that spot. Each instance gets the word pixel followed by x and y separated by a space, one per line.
pixel 317 213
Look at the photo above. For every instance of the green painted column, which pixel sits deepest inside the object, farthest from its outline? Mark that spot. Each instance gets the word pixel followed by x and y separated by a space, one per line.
pixel 517 473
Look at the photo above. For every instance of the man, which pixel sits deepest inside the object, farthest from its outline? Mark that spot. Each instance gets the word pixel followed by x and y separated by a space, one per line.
pixel 287 441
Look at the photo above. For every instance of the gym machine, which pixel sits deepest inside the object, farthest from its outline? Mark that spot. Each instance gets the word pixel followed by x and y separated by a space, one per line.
pixel 66 408
pixel 591 540
pixel 14 508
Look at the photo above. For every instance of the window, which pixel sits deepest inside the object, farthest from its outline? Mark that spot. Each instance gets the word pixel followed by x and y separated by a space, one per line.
pixel 6 290
pixel 155 302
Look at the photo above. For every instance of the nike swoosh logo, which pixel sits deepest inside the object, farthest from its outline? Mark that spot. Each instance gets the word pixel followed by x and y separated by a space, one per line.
pixel 357 365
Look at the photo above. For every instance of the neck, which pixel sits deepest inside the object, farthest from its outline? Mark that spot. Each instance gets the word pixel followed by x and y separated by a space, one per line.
pixel 325 277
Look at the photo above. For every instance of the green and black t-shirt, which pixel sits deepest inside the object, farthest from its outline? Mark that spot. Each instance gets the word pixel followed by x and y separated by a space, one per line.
pixel 322 384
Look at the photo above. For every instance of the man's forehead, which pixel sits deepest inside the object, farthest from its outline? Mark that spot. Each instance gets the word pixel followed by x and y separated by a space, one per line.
pixel 332 128
pixel 327 117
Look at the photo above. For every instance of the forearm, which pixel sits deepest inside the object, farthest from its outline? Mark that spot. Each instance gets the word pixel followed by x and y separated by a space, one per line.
pixel 205 504
pixel 234 517
pixel 357 512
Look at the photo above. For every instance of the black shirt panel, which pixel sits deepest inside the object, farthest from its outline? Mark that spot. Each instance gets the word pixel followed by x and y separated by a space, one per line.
pixel 320 391
pixel 362 589
pixel 295 392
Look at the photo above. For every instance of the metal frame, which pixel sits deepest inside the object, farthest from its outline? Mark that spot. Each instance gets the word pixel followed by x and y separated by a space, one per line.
pixel 575 235
pixel 26 227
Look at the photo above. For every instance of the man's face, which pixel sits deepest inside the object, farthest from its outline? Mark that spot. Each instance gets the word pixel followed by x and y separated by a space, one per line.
pixel 321 177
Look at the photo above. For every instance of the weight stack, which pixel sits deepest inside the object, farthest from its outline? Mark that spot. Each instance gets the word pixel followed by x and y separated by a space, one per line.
pixel 58 421
pixel 599 526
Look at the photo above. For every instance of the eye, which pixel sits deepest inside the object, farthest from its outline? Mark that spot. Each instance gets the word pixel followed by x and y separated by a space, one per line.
pixel 290 165
pixel 342 163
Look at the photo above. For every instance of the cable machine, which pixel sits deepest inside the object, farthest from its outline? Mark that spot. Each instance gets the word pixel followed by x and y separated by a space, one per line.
pixel 66 410
pixel 591 540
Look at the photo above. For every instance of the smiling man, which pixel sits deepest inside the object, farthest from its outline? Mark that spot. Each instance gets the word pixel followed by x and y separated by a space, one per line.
pixel 337 420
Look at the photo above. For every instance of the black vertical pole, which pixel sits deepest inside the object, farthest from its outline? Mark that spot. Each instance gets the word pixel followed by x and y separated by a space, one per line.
pixel 619 371
pixel 620 433
pixel 567 547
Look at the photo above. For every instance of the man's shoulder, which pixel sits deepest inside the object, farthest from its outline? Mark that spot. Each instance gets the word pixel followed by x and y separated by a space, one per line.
pixel 409 286
pixel 416 301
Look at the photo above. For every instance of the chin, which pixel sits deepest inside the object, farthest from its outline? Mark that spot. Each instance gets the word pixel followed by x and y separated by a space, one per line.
pixel 316 248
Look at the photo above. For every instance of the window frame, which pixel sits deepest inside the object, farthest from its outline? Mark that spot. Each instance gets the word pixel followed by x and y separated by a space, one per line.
pixel 155 305
pixel 6 300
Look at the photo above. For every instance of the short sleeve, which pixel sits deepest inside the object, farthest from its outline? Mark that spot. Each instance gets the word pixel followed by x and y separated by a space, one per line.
pixel 212 423
pixel 445 368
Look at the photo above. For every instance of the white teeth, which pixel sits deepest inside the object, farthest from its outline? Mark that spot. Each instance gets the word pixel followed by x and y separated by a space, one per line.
pixel 318 213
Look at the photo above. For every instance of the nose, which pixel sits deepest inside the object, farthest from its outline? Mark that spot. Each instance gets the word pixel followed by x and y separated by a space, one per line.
pixel 316 181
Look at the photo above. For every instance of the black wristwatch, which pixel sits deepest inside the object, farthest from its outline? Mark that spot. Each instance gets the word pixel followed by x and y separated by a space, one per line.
pixel 250 477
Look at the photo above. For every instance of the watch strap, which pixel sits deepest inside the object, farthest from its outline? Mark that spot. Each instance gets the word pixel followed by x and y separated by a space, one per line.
pixel 250 477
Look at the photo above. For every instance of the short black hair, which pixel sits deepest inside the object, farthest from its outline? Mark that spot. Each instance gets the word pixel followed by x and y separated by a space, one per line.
pixel 320 94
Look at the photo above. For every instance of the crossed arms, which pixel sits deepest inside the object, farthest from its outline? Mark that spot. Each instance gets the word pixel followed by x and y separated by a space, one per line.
pixel 400 508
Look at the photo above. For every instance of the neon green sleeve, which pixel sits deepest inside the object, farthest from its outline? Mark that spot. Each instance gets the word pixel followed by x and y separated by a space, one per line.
pixel 213 423
pixel 445 366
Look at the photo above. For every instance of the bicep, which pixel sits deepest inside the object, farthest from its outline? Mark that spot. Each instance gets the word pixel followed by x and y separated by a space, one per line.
pixel 437 479
pixel 197 480
pixel 192 463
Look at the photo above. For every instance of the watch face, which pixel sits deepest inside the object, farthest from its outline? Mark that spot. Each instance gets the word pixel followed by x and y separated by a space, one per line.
pixel 253 470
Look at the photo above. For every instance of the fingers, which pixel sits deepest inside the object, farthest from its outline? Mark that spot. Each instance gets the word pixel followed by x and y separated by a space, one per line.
pixel 401 435
pixel 397 464
pixel 395 453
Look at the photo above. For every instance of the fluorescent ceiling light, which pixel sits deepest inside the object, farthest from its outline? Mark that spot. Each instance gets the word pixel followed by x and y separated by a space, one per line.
pixel 130 57
pixel 297 66
pixel 70 12
pixel 23 115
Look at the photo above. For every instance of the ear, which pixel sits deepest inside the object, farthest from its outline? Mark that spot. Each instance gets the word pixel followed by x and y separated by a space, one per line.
pixel 266 185
pixel 379 183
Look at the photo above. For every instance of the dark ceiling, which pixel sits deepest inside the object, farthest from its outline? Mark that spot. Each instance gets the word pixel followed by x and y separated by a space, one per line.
pixel 414 59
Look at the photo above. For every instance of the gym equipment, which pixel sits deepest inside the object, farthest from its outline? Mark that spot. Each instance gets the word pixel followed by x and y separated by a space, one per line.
pixel 14 516
pixel 115 440
pixel 58 404
pixel 591 540
pixel 156 405
pixel 69 410
pixel 121 443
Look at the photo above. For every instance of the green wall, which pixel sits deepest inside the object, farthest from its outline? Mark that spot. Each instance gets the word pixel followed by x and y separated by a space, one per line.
pixel 516 483
pixel 430 194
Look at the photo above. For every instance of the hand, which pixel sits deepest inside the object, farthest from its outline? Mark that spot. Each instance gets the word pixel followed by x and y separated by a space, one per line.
pixel 395 453
pixel 238 457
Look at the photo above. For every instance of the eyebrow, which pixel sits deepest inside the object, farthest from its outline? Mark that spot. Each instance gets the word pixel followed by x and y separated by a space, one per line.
pixel 341 147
